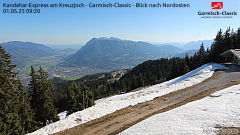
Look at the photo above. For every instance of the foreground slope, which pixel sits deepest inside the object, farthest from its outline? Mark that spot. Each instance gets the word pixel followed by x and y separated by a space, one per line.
pixel 205 116
pixel 110 105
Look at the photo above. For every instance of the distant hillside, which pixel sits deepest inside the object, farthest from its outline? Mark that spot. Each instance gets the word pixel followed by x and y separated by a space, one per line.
pixel 196 44
pixel 115 53
pixel 183 54
pixel 171 48
pixel 24 52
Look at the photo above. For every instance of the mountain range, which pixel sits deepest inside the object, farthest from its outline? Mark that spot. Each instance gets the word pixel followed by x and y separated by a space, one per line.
pixel 24 52
pixel 116 53
pixel 111 53
pixel 193 45
pixel 196 44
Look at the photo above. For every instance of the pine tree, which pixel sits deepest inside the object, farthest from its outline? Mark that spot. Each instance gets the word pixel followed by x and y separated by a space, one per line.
pixel 153 77
pixel 34 90
pixel 159 75
pixel 184 67
pixel 194 60
pixel 174 70
pixel 202 55
pixel 227 42
pixel 140 81
pixel 10 120
pixel 237 45
pixel 217 48
pixel 72 96
pixel 187 59
pixel 41 97
pixel 85 90
pixel 90 98
pixel 25 111
pixel 15 112
pixel 133 84
pixel 123 84
pixel 79 96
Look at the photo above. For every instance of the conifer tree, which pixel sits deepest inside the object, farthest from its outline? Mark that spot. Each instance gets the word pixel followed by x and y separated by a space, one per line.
pixel 25 111
pixel 153 77
pixel 34 90
pixel 194 61
pixel 174 70
pixel 90 97
pixel 79 97
pixel 187 59
pixel 9 117
pixel 123 84
pixel 41 97
pixel 140 81
pixel 184 67
pixel 15 112
pixel 227 42
pixel 84 96
pixel 133 84
pixel 202 55
pixel 72 96
pixel 159 75
pixel 217 48
pixel 237 45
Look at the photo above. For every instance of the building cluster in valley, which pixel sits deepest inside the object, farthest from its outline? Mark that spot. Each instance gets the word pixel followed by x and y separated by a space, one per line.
pixel 65 72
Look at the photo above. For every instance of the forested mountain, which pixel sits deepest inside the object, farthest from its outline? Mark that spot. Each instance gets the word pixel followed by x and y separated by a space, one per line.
pixel 115 53
pixel 24 52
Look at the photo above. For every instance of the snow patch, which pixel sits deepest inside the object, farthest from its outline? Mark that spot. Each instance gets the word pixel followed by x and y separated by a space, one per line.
pixel 62 115
pixel 198 117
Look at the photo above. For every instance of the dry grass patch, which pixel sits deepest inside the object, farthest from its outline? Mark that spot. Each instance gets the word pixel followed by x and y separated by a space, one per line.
pixel 84 128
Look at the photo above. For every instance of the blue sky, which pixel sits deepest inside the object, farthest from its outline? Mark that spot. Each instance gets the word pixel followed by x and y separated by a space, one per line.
pixel 77 26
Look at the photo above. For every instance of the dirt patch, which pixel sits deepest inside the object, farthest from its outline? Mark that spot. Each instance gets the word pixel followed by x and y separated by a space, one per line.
pixel 228 130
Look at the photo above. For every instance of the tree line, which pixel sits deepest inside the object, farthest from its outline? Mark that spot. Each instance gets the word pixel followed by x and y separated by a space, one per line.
pixel 24 110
